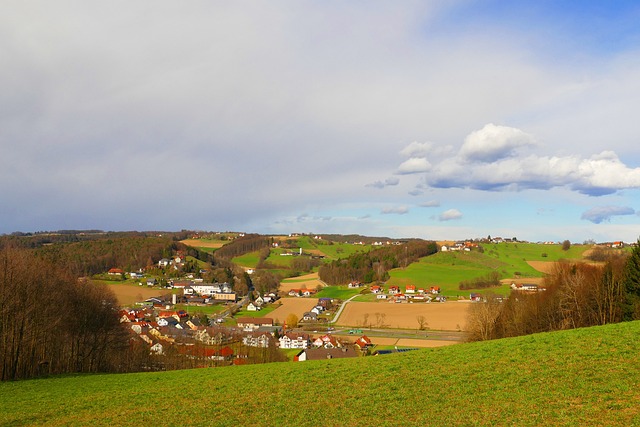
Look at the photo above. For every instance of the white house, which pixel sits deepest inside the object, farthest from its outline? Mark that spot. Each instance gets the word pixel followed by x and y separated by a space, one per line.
pixel 294 340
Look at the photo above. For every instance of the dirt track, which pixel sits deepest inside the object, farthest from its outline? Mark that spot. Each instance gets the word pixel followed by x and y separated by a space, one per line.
pixel 449 316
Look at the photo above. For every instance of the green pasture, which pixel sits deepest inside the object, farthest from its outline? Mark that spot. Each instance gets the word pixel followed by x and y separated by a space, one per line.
pixel 249 260
pixel 206 309
pixel 543 379
pixel 338 292
pixel 260 313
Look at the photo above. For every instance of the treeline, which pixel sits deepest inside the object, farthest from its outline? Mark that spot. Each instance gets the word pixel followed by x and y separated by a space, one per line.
pixel 374 265
pixel 490 280
pixel 576 295
pixel 242 245
pixel 50 323
pixel 97 256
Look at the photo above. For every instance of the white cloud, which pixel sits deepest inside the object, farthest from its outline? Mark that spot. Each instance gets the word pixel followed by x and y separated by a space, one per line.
pixel 414 165
pixel 417 149
pixel 494 142
pixel 449 215
pixel 430 204
pixel 397 210
pixel 604 213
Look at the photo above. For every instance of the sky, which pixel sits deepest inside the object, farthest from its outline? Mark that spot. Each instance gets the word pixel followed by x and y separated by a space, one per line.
pixel 429 119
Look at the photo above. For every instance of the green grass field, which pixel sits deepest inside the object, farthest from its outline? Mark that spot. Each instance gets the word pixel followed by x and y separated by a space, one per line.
pixel 260 313
pixel 247 260
pixel 448 269
pixel 206 309
pixel 340 292
pixel 582 377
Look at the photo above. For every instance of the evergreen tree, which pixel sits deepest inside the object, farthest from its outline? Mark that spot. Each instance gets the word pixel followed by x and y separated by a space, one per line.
pixel 631 305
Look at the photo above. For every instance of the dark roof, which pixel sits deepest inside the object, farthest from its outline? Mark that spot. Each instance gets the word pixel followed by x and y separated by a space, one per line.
pixel 329 353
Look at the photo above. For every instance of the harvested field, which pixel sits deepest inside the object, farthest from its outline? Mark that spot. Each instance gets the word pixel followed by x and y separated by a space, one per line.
pixel 129 294
pixel 196 243
pixel 449 316
pixel 308 281
pixel 545 267
pixel 410 342
pixel 297 306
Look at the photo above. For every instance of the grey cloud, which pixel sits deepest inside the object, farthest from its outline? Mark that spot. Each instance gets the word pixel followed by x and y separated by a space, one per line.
pixel 389 182
pixel 430 204
pixel 601 214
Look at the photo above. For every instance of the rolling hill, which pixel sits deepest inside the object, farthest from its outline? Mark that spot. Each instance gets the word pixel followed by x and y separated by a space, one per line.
pixel 587 376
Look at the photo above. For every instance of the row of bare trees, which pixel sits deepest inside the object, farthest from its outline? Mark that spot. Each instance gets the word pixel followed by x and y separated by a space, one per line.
pixel 51 323
pixel 577 295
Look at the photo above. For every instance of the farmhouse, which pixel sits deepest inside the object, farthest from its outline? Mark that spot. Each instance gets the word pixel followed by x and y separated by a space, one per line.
pixel 410 289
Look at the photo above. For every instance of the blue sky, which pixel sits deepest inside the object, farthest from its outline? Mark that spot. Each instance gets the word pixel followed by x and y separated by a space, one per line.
pixel 440 120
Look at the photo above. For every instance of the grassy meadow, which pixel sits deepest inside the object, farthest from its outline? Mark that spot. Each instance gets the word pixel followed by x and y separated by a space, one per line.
pixel 587 376
pixel 448 269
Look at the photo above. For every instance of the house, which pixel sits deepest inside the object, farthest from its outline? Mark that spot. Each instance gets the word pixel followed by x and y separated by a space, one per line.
pixel 410 289
pixel 252 307
pixel 252 323
pixel 354 284
pixel 115 272
pixel 151 281
pixel 475 297
pixel 326 303
pixel 157 349
pixel 393 290
pixel 294 340
pixel 326 341
pixel 381 296
pixel 163 262
pixel 376 289
pixel 435 290
pixel 258 339
pixel 258 302
pixel 363 342
pixel 325 353
pixel 310 316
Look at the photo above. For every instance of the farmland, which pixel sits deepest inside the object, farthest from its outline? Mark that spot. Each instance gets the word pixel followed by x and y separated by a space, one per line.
pixel 542 379
pixel 127 294
pixel 451 316
pixel 297 306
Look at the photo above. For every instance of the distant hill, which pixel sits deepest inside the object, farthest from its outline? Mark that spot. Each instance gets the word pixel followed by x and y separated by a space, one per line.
pixel 586 376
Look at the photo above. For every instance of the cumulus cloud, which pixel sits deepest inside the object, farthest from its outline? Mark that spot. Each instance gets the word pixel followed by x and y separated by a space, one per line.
pixel 489 160
pixel 494 142
pixel 397 210
pixel 414 165
pixel 449 215
pixel 604 213
pixel 386 183
pixel 430 204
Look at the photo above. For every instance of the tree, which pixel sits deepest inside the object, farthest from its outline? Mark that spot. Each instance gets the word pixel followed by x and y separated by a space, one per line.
pixel 422 322
pixel 292 320
pixel 631 281
pixel 566 245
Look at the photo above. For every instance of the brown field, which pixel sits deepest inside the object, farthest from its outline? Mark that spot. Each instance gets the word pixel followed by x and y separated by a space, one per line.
pixel 129 294
pixel 308 281
pixel 409 342
pixel 449 316
pixel 297 306
pixel 545 267
pixel 196 243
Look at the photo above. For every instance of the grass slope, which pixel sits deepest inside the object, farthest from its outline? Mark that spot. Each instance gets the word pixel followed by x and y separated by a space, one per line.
pixel 581 377
pixel 448 269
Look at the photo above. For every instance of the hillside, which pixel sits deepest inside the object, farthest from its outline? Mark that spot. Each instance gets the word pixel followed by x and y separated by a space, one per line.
pixel 581 377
